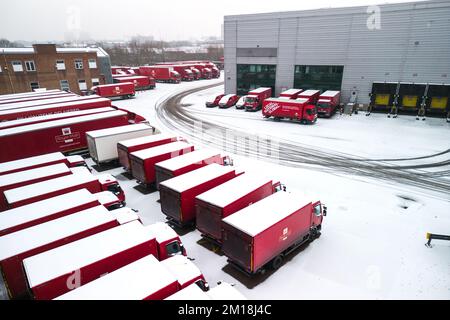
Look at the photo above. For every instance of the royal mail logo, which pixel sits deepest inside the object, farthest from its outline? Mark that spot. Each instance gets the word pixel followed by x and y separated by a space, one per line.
pixel 153 73
pixel 117 90
pixel 286 233
pixel 66 131
pixel 271 107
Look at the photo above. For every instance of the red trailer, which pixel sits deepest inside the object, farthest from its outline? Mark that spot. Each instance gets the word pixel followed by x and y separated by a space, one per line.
pixel 185 271
pixel 49 235
pixel 215 102
pixel 161 73
pixel 36 97
pixel 140 82
pixel 52 117
pixel 88 259
pixel 261 235
pixel 299 109
pixel 184 71
pixel 25 95
pixel 228 198
pixel 143 162
pixel 124 90
pixel 40 161
pixel 178 194
pixel 311 95
pixel 124 148
pixel 46 210
pixel 144 279
pixel 177 166
pixel 328 103
pixel 256 97
pixel 26 177
pixel 291 93
pixel 119 69
pixel 46 189
pixel 59 135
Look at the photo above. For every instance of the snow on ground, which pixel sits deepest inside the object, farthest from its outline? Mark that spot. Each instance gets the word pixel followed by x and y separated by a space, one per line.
pixel 372 244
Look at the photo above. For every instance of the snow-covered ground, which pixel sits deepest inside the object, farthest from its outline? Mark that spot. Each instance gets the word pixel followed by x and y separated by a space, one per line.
pixel 372 244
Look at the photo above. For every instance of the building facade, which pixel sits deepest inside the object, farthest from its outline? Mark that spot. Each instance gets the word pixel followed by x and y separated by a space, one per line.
pixel 343 49
pixel 46 66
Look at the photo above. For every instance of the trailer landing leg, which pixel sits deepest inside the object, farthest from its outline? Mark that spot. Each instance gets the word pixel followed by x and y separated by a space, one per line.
pixel 431 236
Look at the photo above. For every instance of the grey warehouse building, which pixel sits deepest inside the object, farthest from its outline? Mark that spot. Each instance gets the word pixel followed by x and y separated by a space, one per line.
pixel 343 49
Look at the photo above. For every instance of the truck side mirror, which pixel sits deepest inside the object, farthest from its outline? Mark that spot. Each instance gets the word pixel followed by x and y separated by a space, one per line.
pixel 324 213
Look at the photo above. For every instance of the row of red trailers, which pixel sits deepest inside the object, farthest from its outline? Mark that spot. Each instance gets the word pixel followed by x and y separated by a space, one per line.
pixel 199 187
pixel 43 122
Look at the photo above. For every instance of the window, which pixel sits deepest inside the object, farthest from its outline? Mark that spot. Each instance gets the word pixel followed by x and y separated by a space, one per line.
pixel 114 188
pixel 95 81
pixel 60 65
pixel 318 210
pixel 252 76
pixel 64 84
pixel 0 68
pixel 92 64
pixel 17 66
pixel 174 248
pixel 318 77
pixel 82 84
pixel 34 85
pixel 30 66
pixel 78 64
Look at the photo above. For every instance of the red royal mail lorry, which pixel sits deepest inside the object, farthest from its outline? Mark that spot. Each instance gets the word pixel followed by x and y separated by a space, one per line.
pixel 298 109
pixel 178 194
pixel 261 235
pixel 256 97
pixel 59 135
pixel 225 199
pixel 40 161
pixel 185 271
pixel 177 166
pixel 88 259
pixel 125 147
pixel 140 82
pixel 311 95
pixel 26 177
pixel 328 103
pixel 161 73
pixel 124 90
pixel 291 93
pixel 184 71
pixel 143 162
pixel 46 189
pixel 49 235
pixel 144 279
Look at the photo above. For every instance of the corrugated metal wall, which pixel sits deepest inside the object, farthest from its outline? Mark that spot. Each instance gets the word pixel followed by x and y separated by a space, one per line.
pixel 413 44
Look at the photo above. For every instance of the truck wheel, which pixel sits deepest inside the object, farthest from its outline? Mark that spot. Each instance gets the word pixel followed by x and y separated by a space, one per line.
pixel 277 262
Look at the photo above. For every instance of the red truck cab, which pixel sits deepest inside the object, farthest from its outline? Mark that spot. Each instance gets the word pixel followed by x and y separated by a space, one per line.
pixel 215 102
pixel 256 97
pixel 328 103
pixel 228 101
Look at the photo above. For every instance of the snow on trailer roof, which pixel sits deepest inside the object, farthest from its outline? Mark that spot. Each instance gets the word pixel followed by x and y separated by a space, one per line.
pixel 191 292
pixel 117 130
pixel 44 187
pixel 134 281
pixel 61 122
pixel 47 232
pixel 329 93
pixel 112 85
pixel 32 174
pixel 162 149
pixel 196 177
pixel 232 190
pixel 291 91
pixel 225 291
pixel 44 208
pixel 31 161
pixel 124 215
pixel 8 103
pixel 72 256
pixel 26 94
pixel 258 90
pixel 182 268
pixel 65 99
pixel 261 215
pixel 283 99
pixel 146 139
pixel 106 197
pixel 55 116
pixel 162 231
pixel 187 159
pixel 131 77
pixel 309 93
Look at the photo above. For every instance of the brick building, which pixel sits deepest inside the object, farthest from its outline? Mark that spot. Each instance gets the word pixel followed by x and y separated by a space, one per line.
pixel 46 66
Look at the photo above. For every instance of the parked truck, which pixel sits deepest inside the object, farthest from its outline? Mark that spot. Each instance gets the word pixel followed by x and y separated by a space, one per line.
pixel 177 195
pixel 260 236
pixel 109 200
pixel 215 102
pixel 291 93
pixel 161 73
pixel 185 72
pixel 140 82
pixel 125 147
pixel 63 135
pixel 328 103
pixel 124 90
pixel 228 101
pixel 185 271
pixel 28 242
pixel 311 95
pixel 40 161
pixel 298 109
pixel 102 143
pixel 143 279
pixel 143 162
pixel 177 166
pixel 228 198
pixel 90 258
pixel 256 97
pixel 26 177
pixel 50 188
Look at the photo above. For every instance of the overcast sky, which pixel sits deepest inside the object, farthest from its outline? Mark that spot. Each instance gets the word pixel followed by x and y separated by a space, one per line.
pixel 44 20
